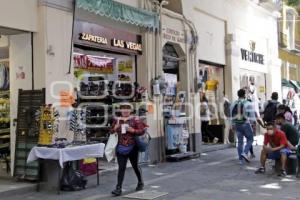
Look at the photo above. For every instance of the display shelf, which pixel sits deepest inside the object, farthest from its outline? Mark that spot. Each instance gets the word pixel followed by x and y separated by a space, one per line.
pixel 4 92
pixel 7 130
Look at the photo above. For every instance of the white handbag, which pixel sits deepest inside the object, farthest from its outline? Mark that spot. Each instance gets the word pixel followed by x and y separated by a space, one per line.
pixel 110 149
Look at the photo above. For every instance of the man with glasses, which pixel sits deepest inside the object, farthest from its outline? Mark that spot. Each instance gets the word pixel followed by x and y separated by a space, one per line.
pixel 275 147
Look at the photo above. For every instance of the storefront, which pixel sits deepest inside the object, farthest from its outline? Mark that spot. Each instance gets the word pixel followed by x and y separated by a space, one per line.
pixel 111 65
pixel 211 85
pixel 178 122
pixel 253 68
pixel 105 67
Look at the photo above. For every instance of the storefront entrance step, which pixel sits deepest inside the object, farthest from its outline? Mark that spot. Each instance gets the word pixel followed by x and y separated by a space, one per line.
pixel 10 187
pixel 182 156
pixel 215 147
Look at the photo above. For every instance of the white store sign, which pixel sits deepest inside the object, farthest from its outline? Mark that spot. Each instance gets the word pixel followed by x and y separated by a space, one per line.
pixel 253 52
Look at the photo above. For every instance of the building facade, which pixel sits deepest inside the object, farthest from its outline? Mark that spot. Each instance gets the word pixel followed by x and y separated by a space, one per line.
pixel 289 38
pixel 188 45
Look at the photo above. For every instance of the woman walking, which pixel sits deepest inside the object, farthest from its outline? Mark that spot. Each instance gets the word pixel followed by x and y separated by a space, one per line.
pixel 127 127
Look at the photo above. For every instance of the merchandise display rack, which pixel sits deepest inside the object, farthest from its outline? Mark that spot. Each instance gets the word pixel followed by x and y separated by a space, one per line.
pixel 5 128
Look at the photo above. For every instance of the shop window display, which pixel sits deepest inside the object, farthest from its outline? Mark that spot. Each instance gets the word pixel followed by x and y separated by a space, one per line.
pixel 255 85
pixel 211 82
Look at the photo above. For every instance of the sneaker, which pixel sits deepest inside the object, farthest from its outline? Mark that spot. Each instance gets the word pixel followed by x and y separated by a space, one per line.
pixel 139 187
pixel 260 170
pixel 282 173
pixel 117 191
pixel 242 162
pixel 245 157
pixel 215 140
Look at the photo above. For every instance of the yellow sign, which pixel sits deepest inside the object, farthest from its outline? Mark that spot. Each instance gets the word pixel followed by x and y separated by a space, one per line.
pixel 262 89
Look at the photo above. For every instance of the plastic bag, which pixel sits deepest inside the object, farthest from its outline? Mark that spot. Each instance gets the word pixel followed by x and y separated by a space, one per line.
pixel 110 149
pixel 72 180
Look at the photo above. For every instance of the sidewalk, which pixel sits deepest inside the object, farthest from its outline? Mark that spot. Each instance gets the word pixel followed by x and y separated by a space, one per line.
pixel 216 175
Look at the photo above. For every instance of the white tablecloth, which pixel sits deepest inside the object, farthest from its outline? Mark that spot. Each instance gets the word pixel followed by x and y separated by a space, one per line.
pixel 67 154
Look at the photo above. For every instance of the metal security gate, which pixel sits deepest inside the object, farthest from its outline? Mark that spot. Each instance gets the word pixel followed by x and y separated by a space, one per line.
pixel 27 132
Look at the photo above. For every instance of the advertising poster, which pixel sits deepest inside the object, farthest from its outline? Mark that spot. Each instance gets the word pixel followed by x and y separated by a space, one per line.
pixel 125 66
pixel 96 64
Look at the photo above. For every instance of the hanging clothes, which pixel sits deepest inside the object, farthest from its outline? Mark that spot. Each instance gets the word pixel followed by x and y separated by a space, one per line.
pixel 4 77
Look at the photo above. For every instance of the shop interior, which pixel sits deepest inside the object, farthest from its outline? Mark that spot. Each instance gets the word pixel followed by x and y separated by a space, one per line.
pixel 15 73
pixel 211 88
pixel 4 108
pixel 255 85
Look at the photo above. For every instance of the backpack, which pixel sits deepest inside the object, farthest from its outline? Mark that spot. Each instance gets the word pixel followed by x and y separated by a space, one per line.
pixel 238 114
pixel 227 106
pixel 270 112
pixel 72 180
pixel 142 141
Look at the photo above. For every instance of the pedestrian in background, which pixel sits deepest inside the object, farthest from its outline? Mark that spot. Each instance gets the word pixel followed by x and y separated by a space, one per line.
pixel 270 109
pixel 287 112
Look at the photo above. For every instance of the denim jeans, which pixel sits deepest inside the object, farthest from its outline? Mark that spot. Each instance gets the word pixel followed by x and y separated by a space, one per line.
pixel 244 130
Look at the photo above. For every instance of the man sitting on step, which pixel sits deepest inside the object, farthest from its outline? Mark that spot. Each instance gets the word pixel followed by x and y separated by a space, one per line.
pixel 276 146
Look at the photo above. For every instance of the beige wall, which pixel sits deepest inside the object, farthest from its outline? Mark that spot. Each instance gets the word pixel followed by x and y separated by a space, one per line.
pixel 19 14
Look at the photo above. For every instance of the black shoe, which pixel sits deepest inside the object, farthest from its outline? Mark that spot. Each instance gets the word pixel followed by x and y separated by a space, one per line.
pixel 140 186
pixel 260 170
pixel 117 191
pixel 282 173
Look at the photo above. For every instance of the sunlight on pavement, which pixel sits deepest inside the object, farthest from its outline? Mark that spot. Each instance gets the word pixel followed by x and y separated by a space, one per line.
pixel 155 186
pixel 274 186
pixel 287 180
pixel 244 190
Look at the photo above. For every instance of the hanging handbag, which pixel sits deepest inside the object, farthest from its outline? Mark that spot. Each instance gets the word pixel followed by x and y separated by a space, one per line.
pixel 142 141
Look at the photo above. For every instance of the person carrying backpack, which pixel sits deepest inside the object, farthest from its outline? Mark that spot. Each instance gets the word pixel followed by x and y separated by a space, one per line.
pixel 270 109
pixel 242 113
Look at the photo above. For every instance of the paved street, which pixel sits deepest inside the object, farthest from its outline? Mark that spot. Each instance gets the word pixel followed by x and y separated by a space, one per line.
pixel 216 175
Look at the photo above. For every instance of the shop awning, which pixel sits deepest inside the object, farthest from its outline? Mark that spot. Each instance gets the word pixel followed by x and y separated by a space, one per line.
pixel 287 83
pixel 295 84
pixel 120 12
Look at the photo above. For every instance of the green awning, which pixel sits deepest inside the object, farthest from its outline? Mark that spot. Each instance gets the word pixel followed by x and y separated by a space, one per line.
pixel 120 12
pixel 287 83
pixel 295 84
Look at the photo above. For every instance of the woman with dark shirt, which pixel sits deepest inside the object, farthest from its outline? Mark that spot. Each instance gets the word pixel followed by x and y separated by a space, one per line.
pixel 127 127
